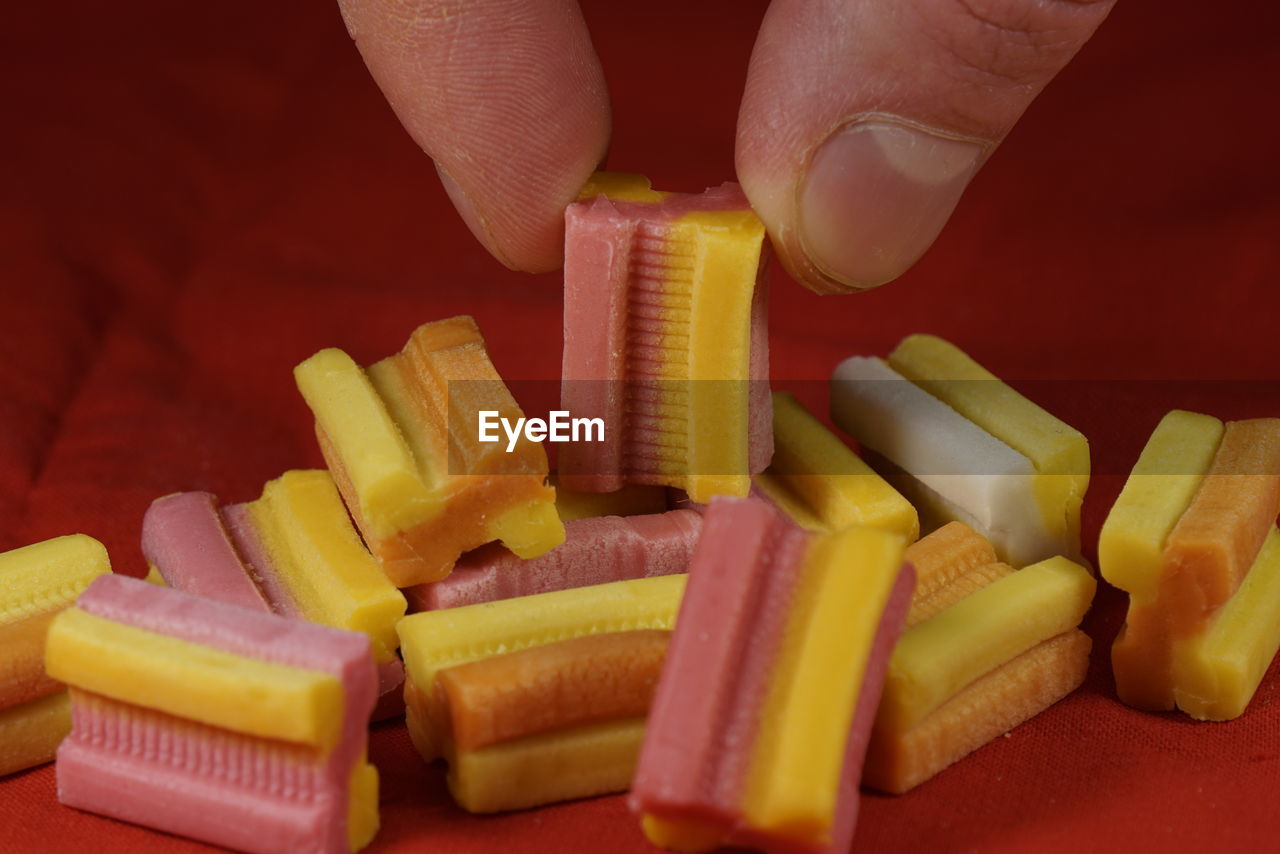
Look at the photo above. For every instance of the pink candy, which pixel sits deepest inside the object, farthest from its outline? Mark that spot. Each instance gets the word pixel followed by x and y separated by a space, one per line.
pixel 144 766
pixel 596 550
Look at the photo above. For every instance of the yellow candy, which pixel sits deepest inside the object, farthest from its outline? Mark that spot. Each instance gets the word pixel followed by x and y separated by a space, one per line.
pixel 433 640
pixel 30 732
pixel 317 555
pixel 362 804
pixel 823 485
pixel 403 445
pixel 48 576
pixel 36 582
pixel 620 187
pixel 390 491
pixel 792 788
pixel 631 500
pixel 1158 491
pixel 937 658
pixel 194 682
pixel 1217 673
pixel 572 763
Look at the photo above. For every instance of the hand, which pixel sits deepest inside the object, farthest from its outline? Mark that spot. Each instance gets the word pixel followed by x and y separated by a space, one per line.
pixel 861 124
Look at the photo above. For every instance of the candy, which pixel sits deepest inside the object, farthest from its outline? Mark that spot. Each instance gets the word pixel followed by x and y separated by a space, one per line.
pixel 988 707
pixel 1131 546
pixel 36 583
pixel 963 446
pixel 1218 537
pixel 595 551
pixel 1191 539
pixel 950 563
pixel 620 187
pixel 30 732
pixel 550 687
pixel 187 545
pixel 434 640
pixel 823 485
pixel 665 339
pixel 292 552
pixel 1157 493
pixel 595 759
pixel 634 499
pixel 211 721
pixel 758 727
pixel 1218 673
pixel 1059 453
pixel 402 441
pixel 937 658
pixel 551 722
pixel 991 647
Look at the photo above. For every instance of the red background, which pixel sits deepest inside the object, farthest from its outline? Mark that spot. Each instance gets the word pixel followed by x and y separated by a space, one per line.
pixel 198 196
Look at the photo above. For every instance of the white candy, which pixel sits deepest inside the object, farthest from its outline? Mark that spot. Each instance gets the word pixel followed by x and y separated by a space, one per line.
pixel 977 479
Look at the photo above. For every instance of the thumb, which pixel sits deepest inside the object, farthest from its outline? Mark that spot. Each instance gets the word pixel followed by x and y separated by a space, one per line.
pixel 864 120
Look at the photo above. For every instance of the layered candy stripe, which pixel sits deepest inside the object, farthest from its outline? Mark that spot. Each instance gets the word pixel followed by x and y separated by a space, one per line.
pixel 757 732
pixel 36 583
pixel 986 648
pixel 434 640
pixel 950 563
pixel 1192 540
pixel 595 551
pixel 402 442
pixel 1058 453
pixel 964 446
pixel 211 721
pixel 823 485
pixel 548 723
pixel 665 339
pixel 291 552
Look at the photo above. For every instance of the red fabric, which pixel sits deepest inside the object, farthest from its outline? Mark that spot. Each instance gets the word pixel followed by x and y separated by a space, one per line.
pixel 199 195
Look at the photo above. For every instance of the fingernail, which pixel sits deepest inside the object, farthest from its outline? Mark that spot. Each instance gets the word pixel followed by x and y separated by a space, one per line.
pixel 875 196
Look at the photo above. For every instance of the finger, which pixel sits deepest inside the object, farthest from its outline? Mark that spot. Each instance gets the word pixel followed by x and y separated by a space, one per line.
pixel 506 96
pixel 864 120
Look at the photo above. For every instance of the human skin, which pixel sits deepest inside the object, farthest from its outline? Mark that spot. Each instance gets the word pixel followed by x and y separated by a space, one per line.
pixel 861 124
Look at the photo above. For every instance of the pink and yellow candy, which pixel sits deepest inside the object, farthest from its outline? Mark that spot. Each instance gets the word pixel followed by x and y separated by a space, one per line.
pixel 665 339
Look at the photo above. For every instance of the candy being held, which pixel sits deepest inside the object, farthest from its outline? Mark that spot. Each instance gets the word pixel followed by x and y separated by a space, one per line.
pixel 665 339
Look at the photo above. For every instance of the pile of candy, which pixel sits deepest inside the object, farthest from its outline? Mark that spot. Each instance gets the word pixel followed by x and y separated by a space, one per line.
pixel 717 606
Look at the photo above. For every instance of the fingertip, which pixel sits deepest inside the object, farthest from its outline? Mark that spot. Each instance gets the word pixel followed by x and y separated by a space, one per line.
pixel 508 99
pixel 520 238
